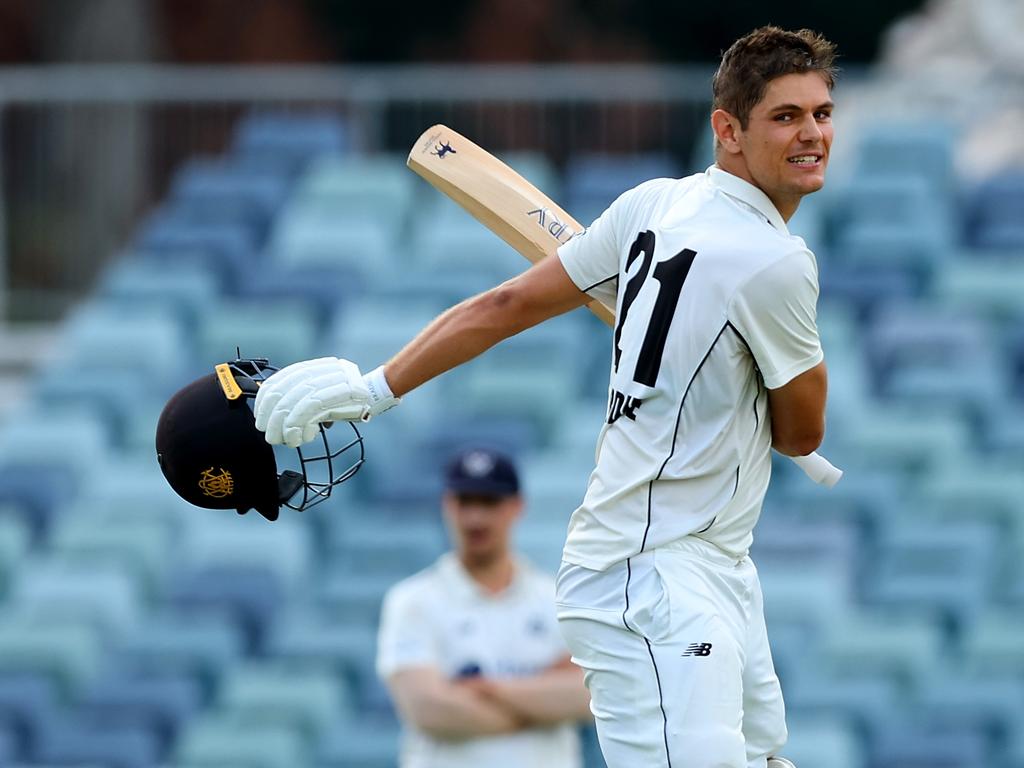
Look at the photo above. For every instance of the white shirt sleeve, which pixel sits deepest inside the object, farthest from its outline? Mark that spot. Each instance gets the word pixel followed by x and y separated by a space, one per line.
pixel 592 258
pixel 406 636
pixel 775 312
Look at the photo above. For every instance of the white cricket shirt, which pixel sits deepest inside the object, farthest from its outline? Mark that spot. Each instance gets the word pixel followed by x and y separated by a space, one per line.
pixel 715 301
pixel 441 618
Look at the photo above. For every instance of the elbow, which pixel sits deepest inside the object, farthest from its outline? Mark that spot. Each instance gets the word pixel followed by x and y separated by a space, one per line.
pixel 800 443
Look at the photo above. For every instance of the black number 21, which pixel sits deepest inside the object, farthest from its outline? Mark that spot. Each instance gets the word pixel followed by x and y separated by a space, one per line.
pixel 670 275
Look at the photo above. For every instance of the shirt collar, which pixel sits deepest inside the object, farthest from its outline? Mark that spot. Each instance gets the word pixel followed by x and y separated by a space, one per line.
pixel 456 576
pixel 747 193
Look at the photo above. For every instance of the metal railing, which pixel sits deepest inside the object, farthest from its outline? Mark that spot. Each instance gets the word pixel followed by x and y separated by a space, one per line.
pixel 85 151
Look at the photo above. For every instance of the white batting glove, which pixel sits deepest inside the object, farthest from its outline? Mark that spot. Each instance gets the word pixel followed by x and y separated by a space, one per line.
pixel 292 403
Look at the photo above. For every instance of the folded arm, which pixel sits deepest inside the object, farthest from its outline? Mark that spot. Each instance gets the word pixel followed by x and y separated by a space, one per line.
pixel 547 698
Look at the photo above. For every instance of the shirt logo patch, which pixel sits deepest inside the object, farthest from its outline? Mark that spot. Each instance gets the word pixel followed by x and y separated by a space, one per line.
pixel 698 649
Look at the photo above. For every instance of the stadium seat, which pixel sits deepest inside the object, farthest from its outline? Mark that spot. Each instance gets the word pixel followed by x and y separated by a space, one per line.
pixel 216 740
pixel 824 740
pixel 208 189
pixel 280 140
pixel 360 743
pixel 36 492
pixel 105 336
pixel 991 703
pixel 168 641
pixel 325 638
pixel 181 288
pixel 994 643
pixel 250 595
pixel 76 741
pixel 228 248
pixel 28 700
pixel 902 644
pixel 904 149
pixel 76 438
pixel 992 204
pixel 358 548
pixel 988 287
pixel 284 548
pixel 284 332
pixel 593 182
pixel 159 701
pixel 891 202
pixel 322 288
pixel 908 744
pixel 310 238
pixel 950 569
pixel 464 245
pixel 66 649
pixel 15 541
pixel 378 187
pixel 99 594
pixel 304 696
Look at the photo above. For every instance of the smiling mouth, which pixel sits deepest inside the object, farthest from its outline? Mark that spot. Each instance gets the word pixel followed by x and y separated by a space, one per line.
pixel 805 160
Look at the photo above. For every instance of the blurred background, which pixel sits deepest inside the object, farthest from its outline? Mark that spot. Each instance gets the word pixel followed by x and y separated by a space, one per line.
pixel 178 178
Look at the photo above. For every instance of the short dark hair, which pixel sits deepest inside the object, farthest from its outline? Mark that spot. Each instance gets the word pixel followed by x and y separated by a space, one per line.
pixel 759 57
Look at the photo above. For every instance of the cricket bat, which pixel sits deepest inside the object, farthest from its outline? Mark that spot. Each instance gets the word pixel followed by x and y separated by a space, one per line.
pixel 524 217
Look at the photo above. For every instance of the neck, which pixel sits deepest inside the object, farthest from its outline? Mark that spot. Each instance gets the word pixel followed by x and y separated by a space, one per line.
pixel 493 574
pixel 785 206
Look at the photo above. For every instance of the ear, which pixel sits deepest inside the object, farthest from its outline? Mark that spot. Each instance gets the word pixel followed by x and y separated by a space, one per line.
pixel 727 131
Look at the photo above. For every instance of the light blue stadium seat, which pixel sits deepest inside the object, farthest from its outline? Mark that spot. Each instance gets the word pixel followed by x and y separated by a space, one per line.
pixel 975 489
pixel 182 288
pixel 898 643
pixel 327 639
pixel 73 437
pixel 910 743
pixel 249 594
pixel 66 649
pixel 985 286
pixel 322 288
pixel 990 702
pixel 201 645
pixel 229 248
pixel 901 436
pixel 360 743
pixel 910 149
pixel 15 540
pixel 144 547
pixel 75 741
pixel 593 182
pixel 210 189
pixel 861 697
pixel 106 596
pixel 892 201
pixel 212 540
pixel 1005 236
pixel 376 187
pixel 154 340
pixel 993 204
pixel 311 238
pixel 341 595
pixel 812 594
pixel 283 332
pixel 217 740
pixel 462 244
pixel 303 695
pixel 918 248
pixel 28 700
pixel 161 701
pixel 288 140
pixel 824 740
pixel 864 286
pixel 358 546
pixel 36 491
pixel 949 569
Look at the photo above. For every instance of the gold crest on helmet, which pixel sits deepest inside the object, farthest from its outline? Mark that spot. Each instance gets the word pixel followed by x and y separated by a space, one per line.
pixel 216 483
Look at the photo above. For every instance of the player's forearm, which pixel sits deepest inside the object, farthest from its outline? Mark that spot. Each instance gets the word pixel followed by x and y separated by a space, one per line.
pixel 545 699
pixel 450 712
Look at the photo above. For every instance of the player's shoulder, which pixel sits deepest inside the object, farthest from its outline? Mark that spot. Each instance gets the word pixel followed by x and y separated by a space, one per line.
pixel 420 587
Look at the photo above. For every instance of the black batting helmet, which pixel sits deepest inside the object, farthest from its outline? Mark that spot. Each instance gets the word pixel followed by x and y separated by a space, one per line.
pixel 214 457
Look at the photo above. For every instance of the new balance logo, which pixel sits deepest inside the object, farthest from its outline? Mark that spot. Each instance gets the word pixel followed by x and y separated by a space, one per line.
pixel 698 649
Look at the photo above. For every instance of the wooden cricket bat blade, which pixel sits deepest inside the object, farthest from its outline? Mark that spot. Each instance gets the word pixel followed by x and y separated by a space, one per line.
pixel 498 197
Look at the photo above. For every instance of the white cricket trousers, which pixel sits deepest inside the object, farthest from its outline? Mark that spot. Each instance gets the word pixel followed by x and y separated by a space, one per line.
pixel 675 654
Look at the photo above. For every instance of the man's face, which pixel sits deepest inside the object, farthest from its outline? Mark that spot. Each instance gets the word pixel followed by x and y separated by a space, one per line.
pixel 785 146
pixel 481 526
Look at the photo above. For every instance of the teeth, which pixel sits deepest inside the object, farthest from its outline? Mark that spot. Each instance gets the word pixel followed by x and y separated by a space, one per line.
pixel 804 159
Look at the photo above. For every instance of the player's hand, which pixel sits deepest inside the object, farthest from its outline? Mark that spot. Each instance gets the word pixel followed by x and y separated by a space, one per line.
pixel 292 403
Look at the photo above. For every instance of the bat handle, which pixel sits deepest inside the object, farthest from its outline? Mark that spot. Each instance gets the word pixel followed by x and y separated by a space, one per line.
pixel 818 468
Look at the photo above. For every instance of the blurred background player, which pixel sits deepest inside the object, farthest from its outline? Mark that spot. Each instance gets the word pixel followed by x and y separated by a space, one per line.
pixel 470 648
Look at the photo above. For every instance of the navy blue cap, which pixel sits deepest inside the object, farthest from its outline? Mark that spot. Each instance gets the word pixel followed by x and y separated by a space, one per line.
pixel 481 471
